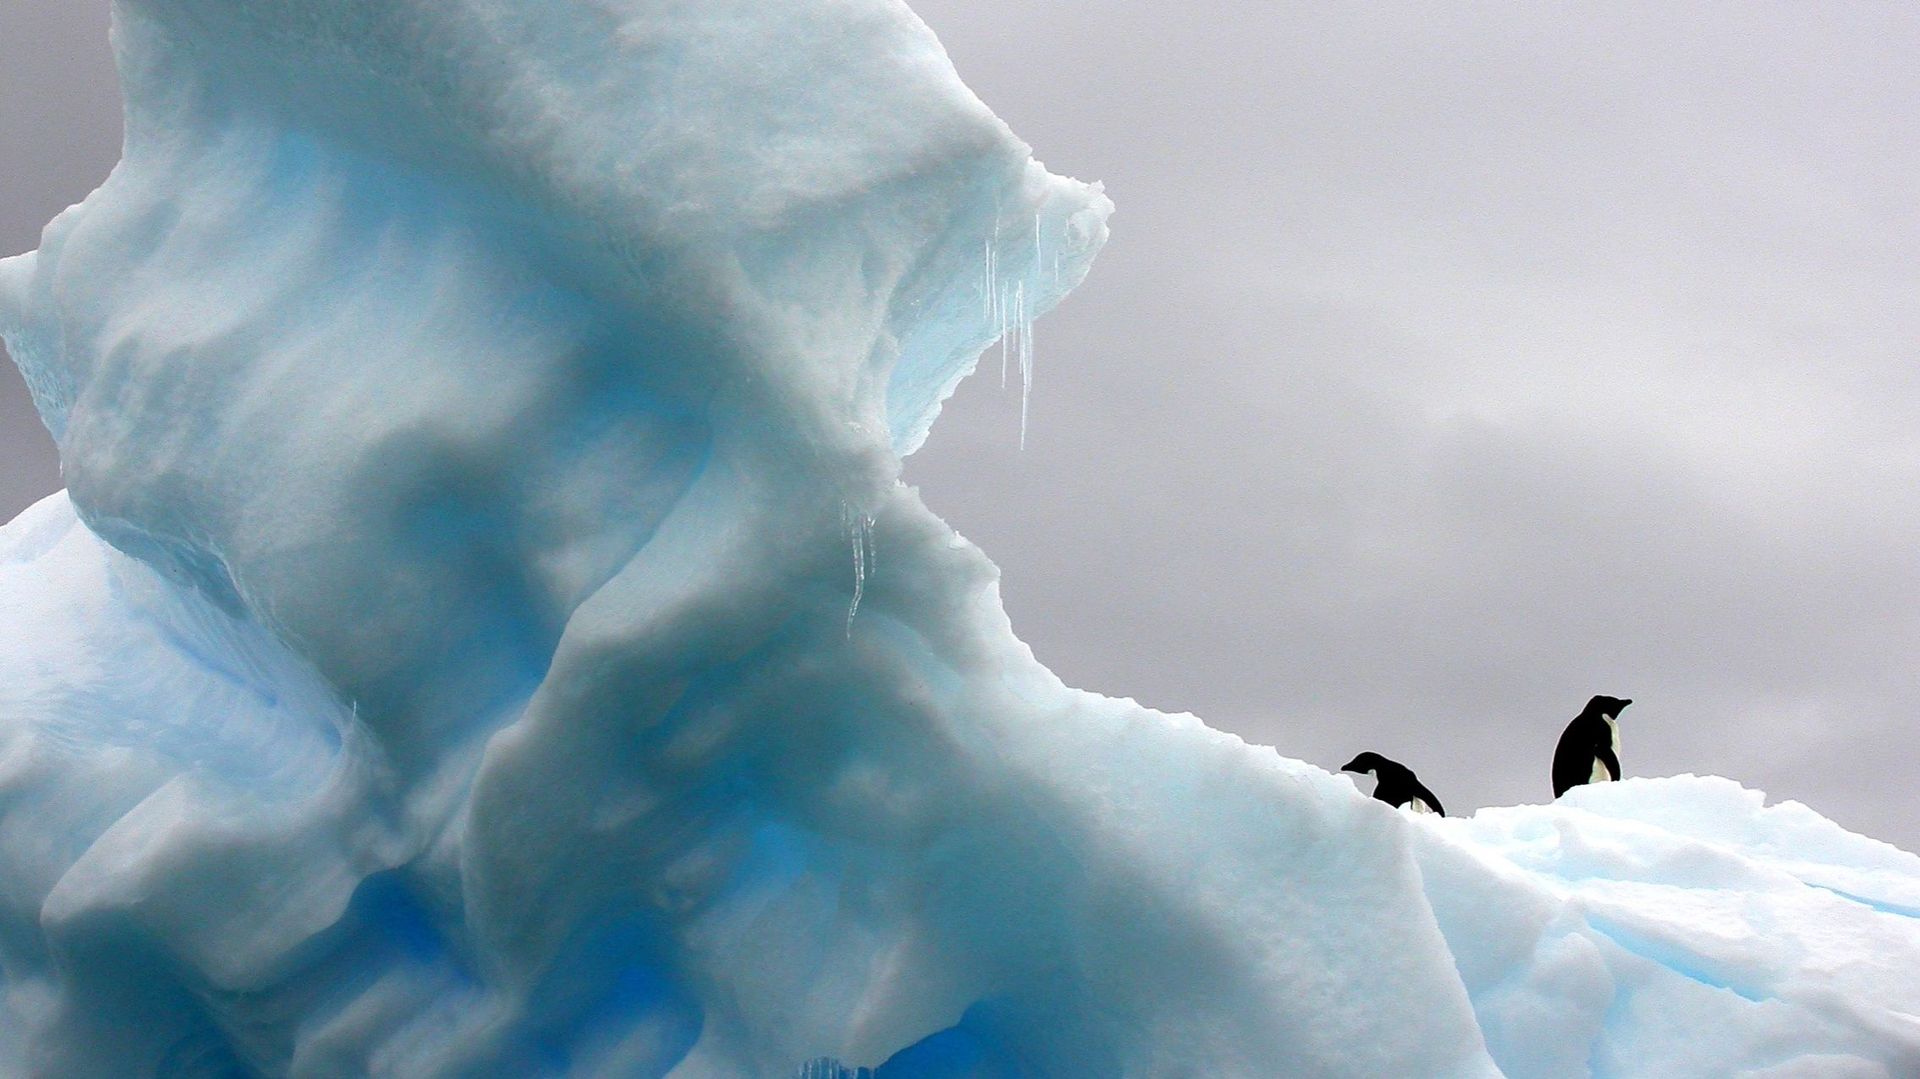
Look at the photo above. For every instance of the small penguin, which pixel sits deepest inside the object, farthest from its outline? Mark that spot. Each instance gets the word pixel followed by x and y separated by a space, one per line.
pixel 1397 786
pixel 1589 750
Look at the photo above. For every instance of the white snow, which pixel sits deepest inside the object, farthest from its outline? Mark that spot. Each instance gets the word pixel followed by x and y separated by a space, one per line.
pixel 448 658
pixel 1680 927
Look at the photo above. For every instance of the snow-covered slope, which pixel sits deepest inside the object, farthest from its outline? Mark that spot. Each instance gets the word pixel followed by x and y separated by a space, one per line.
pixel 1680 927
pixel 485 633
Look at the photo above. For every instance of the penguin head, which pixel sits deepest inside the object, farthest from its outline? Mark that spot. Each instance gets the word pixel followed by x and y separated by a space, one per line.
pixel 1610 707
pixel 1368 764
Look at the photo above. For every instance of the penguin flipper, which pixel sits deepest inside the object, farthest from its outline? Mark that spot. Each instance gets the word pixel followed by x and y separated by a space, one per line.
pixel 1426 796
pixel 1606 757
pixel 1572 763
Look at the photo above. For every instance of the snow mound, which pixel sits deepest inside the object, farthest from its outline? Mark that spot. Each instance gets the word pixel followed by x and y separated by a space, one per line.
pixel 485 632
pixel 1680 927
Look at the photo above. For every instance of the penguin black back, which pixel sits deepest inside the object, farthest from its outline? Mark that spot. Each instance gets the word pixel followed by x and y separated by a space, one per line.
pixel 1398 785
pixel 1589 749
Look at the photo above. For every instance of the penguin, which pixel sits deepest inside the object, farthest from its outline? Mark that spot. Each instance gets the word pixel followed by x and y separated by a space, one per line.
pixel 1589 750
pixel 1398 785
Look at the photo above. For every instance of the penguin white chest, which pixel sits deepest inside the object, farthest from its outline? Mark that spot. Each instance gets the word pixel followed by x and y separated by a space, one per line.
pixel 1600 773
pixel 1417 805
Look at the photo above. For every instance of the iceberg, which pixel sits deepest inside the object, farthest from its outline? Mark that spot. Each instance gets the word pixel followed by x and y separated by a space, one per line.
pixel 485 632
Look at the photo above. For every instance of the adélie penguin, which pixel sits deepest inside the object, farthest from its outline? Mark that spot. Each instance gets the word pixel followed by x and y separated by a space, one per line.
pixel 1397 785
pixel 1589 750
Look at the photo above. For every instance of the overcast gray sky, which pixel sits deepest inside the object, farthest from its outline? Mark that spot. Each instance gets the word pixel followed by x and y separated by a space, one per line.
pixel 59 134
pixel 1449 364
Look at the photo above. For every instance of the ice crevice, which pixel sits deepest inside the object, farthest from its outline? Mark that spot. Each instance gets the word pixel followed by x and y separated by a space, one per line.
pixel 464 646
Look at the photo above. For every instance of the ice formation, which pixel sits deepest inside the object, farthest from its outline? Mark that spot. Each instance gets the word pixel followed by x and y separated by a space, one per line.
pixel 448 658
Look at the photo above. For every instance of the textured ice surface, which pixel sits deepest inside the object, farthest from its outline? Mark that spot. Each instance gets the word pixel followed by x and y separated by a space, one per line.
pixel 485 633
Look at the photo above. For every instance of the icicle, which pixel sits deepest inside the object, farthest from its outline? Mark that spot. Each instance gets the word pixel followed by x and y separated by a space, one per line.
pixel 1001 330
pixel 995 305
pixel 986 293
pixel 1025 332
pixel 995 302
pixel 1037 249
pixel 860 530
pixel 1054 258
pixel 1022 329
pixel 1010 314
pixel 1003 355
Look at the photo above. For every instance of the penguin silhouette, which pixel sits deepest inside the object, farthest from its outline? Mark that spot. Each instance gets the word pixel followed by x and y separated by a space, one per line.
pixel 1589 750
pixel 1398 785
